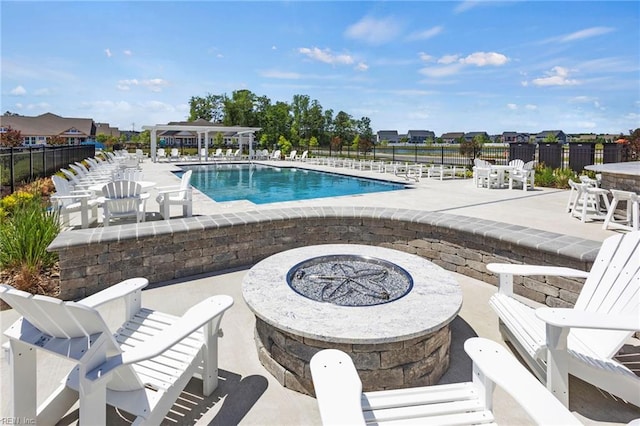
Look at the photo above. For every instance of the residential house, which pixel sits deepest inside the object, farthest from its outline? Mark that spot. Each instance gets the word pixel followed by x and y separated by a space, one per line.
pixel 420 136
pixel 471 135
pixel 106 129
pixel 40 129
pixel 451 137
pixel 390 136
pixel 560 136
pixel 515 137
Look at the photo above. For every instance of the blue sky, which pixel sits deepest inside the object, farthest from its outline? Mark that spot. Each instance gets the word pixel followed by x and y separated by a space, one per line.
pixel 444 66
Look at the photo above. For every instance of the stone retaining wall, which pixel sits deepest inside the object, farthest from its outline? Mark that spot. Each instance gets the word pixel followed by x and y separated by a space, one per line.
pixel 93 259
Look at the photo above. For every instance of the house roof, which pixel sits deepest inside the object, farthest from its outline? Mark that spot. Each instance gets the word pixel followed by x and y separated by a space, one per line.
pixel 452 135
pixel 47 124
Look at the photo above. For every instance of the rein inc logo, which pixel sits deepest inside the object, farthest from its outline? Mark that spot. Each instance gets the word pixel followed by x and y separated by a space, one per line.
pixel 17 421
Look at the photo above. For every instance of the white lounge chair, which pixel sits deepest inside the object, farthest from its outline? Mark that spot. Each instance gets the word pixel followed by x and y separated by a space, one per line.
pixel 141 369
pixel 174 155
pixel 217 154
pixel 291 156
pixel 176 195
pixel 275 155
pixel 161 154
pixel 123 198
pixel 583 340
pixel 341 401
pixel 304 156
pixel 66 201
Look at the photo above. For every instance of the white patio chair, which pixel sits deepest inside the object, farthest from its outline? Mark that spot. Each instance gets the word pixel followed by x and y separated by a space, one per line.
pixel 486 177
pixel 141 369
pixel 587 201
pixel 291 156
pixel 66 201
pixel 217 154
pixel 516 164
pixel 123 198
pixel 176 195
pixel 275 155
pixel 582 340
pixel 631 222
pixel 134 175
pixel 304 156
pixel 341 401
pixel 524 175
pixel 161 154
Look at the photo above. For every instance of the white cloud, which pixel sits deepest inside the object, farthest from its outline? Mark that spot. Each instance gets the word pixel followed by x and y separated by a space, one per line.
pixel 558 76
pixel 326 56
pixel 42 92
pixel 374 31
pixel 531 107
pixel 426 34
pixel 586 33
pixel 512 107
pixel 127 52
pixel 442 71
pixel 362 66
pixel 40 106
pixel 154 84
pixel 425 57
pixel 581 99
pixel 448 59
pixel 274 48
pixel 482 59
pixel 107 52
pixel 453 64
pixel 465 5
pixel 18 91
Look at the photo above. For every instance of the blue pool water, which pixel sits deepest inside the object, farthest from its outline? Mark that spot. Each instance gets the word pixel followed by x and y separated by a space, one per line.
pixel 262 184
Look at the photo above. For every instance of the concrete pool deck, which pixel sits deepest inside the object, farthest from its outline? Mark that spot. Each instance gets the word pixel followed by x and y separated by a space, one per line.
pixel 248 394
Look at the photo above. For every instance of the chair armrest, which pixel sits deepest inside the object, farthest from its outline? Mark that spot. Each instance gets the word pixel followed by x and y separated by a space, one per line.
pixel 338 388
pixel 167 187
pixel 196 317
pixel 573 318
pixel 114 292
pixel 71 197
pixel 169 190
pixel 524 270
pixel 493 362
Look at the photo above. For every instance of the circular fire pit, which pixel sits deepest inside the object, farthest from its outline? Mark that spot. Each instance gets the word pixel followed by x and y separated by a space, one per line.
pixel 388 309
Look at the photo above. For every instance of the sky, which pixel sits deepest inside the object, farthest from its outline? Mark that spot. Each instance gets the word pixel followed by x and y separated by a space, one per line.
pixel 445 66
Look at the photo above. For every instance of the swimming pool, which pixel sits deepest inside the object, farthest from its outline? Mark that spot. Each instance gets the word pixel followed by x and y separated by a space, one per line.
pixel 263 184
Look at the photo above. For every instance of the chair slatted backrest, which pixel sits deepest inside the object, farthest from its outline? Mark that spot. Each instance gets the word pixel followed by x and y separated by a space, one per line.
pixel 62 189
pixel 54 317
pixel 122 196
pixel 613 286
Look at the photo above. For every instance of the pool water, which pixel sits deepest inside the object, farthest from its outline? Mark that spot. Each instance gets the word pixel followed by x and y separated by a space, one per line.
pixel 262 184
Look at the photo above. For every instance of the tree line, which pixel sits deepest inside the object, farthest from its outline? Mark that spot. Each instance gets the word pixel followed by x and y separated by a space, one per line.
pixel 301 123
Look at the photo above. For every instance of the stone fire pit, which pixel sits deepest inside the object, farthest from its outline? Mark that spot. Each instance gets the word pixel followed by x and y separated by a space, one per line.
pixel 388 309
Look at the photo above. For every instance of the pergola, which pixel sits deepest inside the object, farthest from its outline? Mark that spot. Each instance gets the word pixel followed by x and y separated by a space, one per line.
pixel 203 132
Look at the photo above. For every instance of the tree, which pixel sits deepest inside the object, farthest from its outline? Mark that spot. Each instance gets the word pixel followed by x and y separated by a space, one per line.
pixel 471 148
pixel 284 145
pixel 239 110
pixel 210 108
pixel 634 143
pixel 550 138
pixel 11 137
pixel 343 128
pixel 56 140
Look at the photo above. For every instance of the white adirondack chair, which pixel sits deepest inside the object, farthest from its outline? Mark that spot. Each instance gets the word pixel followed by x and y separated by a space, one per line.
pixel 524 175
pixel 176 195
pixel 66 201
pixel 291 156
pixel 583 340
pixel 123 198
pixel 140 369
pixel 174 154
pixel 275 155
pixel 341 401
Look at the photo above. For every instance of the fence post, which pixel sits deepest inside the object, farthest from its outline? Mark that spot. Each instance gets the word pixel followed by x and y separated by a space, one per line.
pixel 415 155
pixel 12 176
pixel 393 154
pixel 442 155
pixel 31 163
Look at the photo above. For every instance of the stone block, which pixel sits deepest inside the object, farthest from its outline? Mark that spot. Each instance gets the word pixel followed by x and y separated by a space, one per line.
pixel 288 361
pixel 540 287
pixel 381 379
pixel 298 384
pixel 389 359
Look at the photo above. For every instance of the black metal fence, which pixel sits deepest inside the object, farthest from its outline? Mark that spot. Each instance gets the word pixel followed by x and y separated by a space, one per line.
pixel 574 155
pixel 19 165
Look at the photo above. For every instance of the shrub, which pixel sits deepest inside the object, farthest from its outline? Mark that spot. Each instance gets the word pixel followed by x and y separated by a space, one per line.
pixel 563 176
pixel 25 233
pixel 544 176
